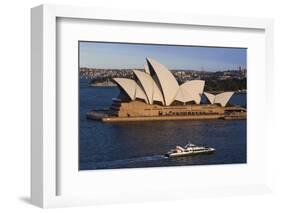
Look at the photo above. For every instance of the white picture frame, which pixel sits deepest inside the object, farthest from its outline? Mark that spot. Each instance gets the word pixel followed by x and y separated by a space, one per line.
pixel 44 149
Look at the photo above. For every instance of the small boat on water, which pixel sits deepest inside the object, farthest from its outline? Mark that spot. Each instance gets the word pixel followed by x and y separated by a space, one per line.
pixel 189 149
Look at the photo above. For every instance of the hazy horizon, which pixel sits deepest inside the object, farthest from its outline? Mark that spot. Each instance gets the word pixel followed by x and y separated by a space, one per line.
pixel 108 55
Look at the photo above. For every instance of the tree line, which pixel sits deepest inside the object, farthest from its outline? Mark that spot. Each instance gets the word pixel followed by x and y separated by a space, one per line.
pixel 226 85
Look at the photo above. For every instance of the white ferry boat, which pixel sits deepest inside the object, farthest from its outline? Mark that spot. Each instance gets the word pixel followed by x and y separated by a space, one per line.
pixel 189 149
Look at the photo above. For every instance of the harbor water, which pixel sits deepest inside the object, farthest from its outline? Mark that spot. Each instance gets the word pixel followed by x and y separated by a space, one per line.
pixel 143 144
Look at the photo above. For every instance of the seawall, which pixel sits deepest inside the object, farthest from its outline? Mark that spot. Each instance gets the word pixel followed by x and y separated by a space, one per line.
pixel 161 118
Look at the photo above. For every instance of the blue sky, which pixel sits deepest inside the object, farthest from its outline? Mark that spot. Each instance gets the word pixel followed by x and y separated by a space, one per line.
pixel 129 56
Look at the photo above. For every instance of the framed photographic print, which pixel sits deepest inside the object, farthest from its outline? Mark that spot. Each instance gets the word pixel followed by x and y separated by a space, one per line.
pixel 146 105
pixel 120 102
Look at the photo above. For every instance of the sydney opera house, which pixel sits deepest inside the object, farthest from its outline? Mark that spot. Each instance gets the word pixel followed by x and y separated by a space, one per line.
pixel 155 94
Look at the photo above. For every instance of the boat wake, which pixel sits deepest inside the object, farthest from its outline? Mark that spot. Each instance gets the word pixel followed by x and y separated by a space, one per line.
pixel 124 162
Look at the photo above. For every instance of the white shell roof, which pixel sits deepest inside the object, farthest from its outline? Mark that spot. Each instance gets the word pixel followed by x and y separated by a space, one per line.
pixel 183 96
pixel 146 69
pixel 221 98
pixel 194 88
pixel 149 86
pixel 166 81
pixel 132 89
pixel 140 94
pixel 210 97
pixel 157 83
pixel 157 95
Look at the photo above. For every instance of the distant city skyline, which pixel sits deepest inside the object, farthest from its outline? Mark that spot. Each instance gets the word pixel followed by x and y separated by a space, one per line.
pixel 105 55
